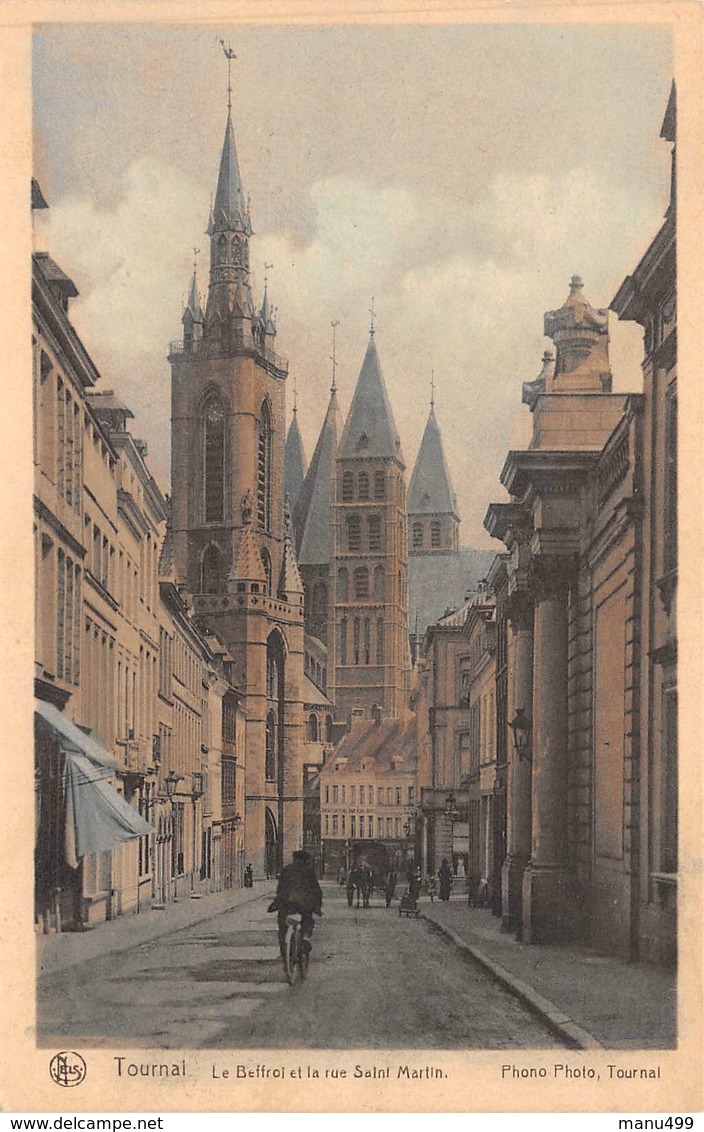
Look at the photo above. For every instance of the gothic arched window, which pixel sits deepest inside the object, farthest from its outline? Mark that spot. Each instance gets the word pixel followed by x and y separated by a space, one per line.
pixel 313 728
pixel 354 533
pixel 435 534
pixel 264 468
pixel 363 486
pixel 380 640
pixel 374 532
pixel 367 654
pixel 210 570
pixel 343 641
pixel 417 536
pixel 342 584
pixel 213 459
pixel 270 761
pixel 347 487
pixel 320 600
pixel 379 586
pixel 379 486
pixel 361 583
pixel 328 729
pixel 356 640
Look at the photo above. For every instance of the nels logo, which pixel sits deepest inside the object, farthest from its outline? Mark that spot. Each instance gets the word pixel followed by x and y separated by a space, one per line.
pixel 67 1069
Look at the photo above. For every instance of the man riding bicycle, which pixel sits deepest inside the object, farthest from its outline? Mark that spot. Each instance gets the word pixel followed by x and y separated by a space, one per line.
pixel 298 891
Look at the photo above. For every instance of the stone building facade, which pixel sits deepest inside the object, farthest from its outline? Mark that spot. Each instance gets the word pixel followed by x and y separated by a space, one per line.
pixel 591 534
pixel 369 797
pixel 106 639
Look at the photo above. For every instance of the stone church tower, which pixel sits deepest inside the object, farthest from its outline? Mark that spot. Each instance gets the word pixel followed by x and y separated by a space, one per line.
pixel 232 543
pixel 369 631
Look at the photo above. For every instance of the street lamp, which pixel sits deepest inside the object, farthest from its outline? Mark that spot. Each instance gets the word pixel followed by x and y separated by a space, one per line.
pixel 522 729
pixel 170 783
pixel 451 810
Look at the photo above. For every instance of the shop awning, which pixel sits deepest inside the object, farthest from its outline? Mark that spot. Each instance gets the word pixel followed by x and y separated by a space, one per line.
pixel 71 737
pixel 97 817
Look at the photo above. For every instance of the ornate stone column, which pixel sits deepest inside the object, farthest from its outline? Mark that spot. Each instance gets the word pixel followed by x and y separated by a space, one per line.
pixel 547 888
pixel 519 802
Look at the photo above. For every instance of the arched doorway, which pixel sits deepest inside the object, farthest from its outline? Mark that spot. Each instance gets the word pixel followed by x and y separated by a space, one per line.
pixel 270 844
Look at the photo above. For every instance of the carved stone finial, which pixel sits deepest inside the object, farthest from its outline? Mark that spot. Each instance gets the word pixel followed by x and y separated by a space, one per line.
pixel 287 516
pixel 246 506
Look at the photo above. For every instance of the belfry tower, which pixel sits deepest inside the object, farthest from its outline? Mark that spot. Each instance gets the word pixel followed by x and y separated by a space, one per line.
pixel 369 641
pixel 232 546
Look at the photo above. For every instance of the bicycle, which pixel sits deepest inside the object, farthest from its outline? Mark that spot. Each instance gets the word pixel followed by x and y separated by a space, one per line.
pixel 296 955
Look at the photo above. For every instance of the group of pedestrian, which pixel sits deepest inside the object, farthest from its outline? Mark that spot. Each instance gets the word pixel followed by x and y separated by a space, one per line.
pixel 359 881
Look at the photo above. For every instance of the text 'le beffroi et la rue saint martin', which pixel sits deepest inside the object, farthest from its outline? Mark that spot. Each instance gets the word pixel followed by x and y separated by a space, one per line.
pixel 311 1072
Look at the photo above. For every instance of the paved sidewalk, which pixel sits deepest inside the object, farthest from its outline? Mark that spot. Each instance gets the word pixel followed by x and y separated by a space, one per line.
pixel 593 1001
pixel 67 949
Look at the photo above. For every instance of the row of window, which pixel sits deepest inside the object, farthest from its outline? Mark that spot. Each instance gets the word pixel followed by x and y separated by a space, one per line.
pixel 354 533
pixel 361 588
pixel 418 535
pixel 316 733
pixel 365 486
pixel 364 795
pixel 362 648
pixel 336 826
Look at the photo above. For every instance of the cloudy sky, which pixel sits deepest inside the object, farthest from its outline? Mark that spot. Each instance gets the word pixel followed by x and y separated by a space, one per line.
pixel 460 175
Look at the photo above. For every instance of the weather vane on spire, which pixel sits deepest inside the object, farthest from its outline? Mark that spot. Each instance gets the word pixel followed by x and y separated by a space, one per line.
pixel 372 313
pixel 267 267
pixel 196 253
pixel 333 357
pixel 432 388
pixel 229 55
pixel 295 392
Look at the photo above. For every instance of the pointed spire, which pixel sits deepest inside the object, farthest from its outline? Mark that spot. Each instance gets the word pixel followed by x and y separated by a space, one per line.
pixel 290 583
pixel 194 304
pixel 230 210
pixel 430 489
pixel 294 461
pixel 333 357
pixel 370 429
pixel 312 516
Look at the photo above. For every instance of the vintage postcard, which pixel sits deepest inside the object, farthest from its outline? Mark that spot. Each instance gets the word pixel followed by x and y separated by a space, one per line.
pixel 353 650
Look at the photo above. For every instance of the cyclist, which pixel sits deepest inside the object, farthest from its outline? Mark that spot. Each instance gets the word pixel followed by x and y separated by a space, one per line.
pixel 298 891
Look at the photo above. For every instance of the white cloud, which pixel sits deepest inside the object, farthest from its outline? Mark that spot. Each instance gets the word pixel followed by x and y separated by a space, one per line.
pixel 461 293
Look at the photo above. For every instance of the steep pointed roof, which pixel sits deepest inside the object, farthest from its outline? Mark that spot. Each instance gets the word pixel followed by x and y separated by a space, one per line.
pixel 312 518
pixel 193 304
pixel 230 207
pixel 430 489
pixel 248 565
pixel 290 581
pixel 294 462
pixel 370 429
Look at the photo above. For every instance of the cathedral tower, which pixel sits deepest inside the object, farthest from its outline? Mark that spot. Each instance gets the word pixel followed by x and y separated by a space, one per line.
pixel 370 626
pixel 232 548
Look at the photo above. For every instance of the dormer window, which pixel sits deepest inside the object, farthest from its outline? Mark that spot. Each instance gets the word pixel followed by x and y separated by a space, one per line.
pixel 363 442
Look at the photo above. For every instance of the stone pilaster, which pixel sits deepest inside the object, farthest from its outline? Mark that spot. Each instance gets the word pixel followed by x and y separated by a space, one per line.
pixel 519 802
pixel 547 883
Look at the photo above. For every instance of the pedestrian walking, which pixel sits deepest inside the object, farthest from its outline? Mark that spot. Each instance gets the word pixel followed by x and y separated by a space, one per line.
pixel 390 887
pixel 350 886
pixel 432 886
pixel 445 878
